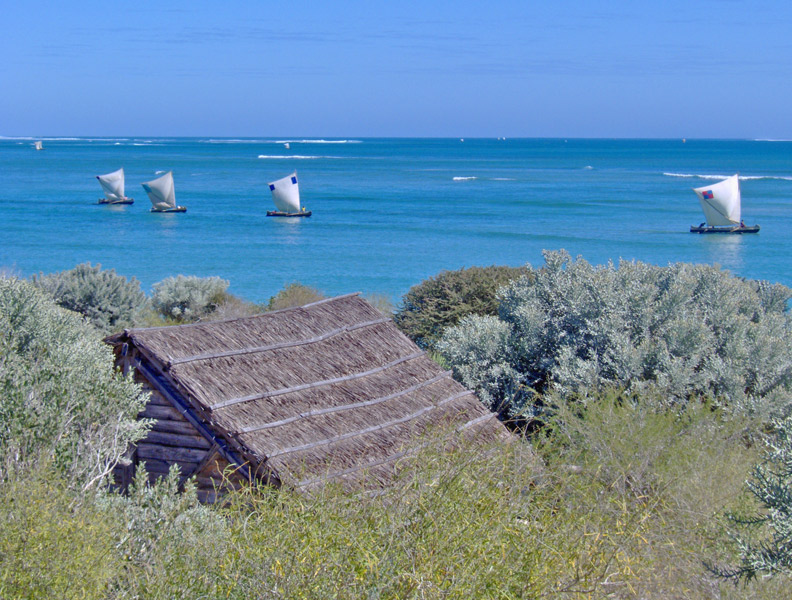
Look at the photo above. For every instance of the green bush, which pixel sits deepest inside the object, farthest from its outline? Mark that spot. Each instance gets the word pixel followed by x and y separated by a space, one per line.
pixel 441 301
pixel 764 538
pixel 294 294
pixel 186 299
pixel 54 544
pixel 61 398
pixel 622 504
pixel 689 330
pixel 109 301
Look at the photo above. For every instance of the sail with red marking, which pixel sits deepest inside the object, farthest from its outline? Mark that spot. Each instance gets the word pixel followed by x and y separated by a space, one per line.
pixel 721 202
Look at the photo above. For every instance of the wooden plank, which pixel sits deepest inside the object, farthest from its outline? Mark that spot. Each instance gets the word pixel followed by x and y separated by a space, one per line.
pixel 167 453
pixel 177 440
pixel 164 384
pixel 208 496
pixel 152 411
pixel 157 399
pixel 162 467
pixel 182 427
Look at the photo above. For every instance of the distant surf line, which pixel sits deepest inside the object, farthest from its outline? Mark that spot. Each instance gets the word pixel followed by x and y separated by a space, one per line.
pixel 742 177
pixel 295 157
pixel 280 142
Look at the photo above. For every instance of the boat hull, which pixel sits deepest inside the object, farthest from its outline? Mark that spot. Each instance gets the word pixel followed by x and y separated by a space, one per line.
pixel 276 213
pixel 737 229
pixel 170 210
pixel 124 201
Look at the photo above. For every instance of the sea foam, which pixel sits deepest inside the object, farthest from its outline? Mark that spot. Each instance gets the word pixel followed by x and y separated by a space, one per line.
pixel 293 156
pixel 741 177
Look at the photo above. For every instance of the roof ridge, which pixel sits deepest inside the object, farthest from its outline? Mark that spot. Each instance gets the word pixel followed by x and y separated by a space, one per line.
pixel 232 319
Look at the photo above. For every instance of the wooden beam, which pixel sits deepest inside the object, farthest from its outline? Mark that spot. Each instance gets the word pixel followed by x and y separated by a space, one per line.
pixel 185 411
pixel 182 427
pixel 177 440
pixel 155 411
pixel 169 453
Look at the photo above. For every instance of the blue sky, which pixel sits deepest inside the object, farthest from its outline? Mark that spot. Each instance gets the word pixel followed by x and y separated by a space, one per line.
pixel 432 68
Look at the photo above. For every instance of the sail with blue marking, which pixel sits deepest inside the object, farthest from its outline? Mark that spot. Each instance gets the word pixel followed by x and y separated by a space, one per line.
pixel 286 194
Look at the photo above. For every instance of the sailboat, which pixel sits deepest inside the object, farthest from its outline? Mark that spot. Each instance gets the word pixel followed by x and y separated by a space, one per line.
pixel 38 146
pixel 162 194
pixel 113 186
pixel 286 196
pixel 721 205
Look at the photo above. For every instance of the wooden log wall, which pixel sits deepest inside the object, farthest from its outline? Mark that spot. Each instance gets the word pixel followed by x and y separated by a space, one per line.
pixel 173 440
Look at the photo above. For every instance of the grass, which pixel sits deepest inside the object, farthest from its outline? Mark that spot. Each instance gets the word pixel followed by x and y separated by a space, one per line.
pixel 619 501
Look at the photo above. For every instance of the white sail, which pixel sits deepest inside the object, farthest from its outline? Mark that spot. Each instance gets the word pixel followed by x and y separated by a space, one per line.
pixel 38 146
pixel 161 192
pixel 113 185
pixel 286 194
pixel 721 202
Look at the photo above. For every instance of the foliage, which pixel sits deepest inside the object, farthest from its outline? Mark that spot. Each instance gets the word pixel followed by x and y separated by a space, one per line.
pixel 169 539
pixel 672 469
pixel 186 299
pixel 109 301
pixel 53 545
pixel 294 294
pixel 382 303
pixel 691 330
pixel 441 301
pixel 765 539
pixel 61 399
pixel 622 505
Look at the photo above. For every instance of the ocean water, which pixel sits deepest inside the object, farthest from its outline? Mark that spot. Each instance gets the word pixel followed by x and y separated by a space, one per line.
pixel 387 213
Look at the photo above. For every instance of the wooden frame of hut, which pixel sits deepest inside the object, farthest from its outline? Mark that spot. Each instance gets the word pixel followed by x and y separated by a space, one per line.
pixel 328 391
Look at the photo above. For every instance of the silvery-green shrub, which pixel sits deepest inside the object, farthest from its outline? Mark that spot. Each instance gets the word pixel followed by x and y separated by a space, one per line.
pixel 109 301
pixel 61 399
pixel 764 540
pixel 187 298
pixel 687 330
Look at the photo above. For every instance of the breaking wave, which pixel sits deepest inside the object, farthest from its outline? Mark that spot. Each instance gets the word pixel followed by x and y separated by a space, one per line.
pixel 464 178
pixel 294 157
pixel 260 141
pixel 742 177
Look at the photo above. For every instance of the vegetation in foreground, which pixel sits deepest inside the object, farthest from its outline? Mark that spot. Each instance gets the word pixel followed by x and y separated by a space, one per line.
pixel 626 491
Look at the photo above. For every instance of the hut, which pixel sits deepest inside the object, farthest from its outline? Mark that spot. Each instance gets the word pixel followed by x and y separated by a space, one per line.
pixel 327 391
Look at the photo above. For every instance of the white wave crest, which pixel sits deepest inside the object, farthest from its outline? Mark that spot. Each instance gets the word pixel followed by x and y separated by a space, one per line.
pixel 318 142
pixel 502 179
pixel 159 172
pixel 464 178
pixel 588 168
pixel 741 177
pixel 294 157
pixel 281 142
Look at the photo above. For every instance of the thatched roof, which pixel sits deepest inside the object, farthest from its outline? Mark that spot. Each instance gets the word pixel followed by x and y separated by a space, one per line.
pixel 327 390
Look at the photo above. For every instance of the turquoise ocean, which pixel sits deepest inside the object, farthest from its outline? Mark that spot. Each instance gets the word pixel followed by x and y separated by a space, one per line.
pixel 387 213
